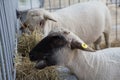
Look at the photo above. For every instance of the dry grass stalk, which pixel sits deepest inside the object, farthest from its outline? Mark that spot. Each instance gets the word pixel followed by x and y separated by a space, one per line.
pixel 27 42
pixel 25 68
pixel 26 71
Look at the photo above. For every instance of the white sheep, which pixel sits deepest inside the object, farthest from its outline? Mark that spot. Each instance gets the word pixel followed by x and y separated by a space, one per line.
pixel 87 20
pixel 65 48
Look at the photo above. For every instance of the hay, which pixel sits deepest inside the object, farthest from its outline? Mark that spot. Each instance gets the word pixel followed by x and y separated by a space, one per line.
pixel 24 67
pixel 27 42
pixel 26 71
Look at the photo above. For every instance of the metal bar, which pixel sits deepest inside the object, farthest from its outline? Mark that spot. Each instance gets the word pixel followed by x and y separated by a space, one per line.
pixel 60 4
pixel 41 3
pixel 116 22
pixel 107 2
pixel 50 5
pixel 2 62
pixel 9 42
pixel 12 38
pixel 15 38
pixel 1 74
pixel 1 51
pixel 5 51
pixel 31 4
pixel 7 38
pixel 69 3
pixel 119 3
pixel 1 57
pixel 4 41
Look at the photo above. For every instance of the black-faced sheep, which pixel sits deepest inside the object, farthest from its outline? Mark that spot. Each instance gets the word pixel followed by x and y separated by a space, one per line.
pixel 67 49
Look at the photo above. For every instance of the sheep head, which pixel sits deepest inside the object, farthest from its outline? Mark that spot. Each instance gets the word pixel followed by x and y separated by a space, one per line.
pixel 54 44
pixel 37 18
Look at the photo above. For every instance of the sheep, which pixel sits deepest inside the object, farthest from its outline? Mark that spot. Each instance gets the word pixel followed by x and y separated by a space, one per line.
pixel 89 19
pixel 64 48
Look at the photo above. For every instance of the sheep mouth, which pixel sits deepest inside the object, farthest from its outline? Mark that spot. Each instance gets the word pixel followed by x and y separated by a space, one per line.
pixel 40 64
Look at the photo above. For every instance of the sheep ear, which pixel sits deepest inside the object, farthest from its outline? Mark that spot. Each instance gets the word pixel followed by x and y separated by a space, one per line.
pixel 81 45
pixel 48 15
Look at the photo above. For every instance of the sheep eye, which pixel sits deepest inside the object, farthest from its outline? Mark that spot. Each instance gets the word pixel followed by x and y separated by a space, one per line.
pixel 44 57
pixel 42 22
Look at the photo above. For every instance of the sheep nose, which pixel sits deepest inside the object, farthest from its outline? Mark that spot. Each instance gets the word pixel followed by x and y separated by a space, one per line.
pixel 40 64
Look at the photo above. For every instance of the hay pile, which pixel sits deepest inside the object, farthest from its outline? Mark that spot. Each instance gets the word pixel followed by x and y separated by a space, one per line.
pixel 27 42
pixel 26 71
pixel 24 67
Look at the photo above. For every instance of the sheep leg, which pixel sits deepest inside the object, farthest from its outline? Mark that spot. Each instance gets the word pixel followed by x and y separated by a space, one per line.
pixel 97 42
pixel 107 40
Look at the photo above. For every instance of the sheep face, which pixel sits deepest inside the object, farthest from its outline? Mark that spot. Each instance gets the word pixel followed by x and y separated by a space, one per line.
pixel 36 18
pixel 53 48
pixel 45 50
pixel 33 20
